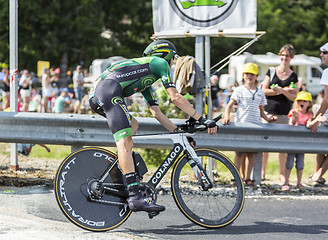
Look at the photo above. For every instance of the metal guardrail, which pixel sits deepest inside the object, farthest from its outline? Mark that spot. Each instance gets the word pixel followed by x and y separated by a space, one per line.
pixel 91 130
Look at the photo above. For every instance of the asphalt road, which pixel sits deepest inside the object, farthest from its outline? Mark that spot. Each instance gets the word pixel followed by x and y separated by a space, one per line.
pixel 32 213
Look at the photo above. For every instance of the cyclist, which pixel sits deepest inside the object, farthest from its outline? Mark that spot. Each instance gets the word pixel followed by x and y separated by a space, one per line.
pixel 125 78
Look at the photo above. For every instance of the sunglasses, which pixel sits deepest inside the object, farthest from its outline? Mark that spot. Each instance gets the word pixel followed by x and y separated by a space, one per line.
pixel 324 52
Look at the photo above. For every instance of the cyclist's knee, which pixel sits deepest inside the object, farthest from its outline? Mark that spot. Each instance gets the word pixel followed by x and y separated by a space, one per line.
pixel 134 125
pixel 125 143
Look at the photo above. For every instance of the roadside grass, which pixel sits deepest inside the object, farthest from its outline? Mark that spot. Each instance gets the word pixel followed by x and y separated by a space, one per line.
pixel 59 152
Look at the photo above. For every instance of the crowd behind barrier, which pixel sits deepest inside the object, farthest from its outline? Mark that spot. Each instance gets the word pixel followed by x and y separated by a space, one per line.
pixel 46 94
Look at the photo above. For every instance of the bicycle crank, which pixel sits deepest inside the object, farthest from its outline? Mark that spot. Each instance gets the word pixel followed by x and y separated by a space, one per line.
pixel 148 191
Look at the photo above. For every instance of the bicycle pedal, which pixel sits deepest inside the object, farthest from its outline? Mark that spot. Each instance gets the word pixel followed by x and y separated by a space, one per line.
pixel 152 214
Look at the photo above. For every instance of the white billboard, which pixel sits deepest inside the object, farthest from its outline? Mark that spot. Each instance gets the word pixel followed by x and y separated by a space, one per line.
pixel 177 18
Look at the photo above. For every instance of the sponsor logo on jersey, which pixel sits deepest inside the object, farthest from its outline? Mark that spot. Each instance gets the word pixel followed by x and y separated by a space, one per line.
pixel 123 133
pixel 134 72
pixel 100 103
pixel 147 81
pixel 117 100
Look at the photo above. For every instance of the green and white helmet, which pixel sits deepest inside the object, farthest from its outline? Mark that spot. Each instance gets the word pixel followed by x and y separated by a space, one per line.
pixel 161 48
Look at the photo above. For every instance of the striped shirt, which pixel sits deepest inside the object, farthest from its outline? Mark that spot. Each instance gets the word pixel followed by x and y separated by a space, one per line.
pixel 249 102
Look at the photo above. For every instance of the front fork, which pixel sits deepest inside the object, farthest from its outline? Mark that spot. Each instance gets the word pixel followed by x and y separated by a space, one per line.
pixel 200 173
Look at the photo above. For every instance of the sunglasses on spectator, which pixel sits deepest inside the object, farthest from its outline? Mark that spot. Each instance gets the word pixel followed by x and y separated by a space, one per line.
pixel 324 52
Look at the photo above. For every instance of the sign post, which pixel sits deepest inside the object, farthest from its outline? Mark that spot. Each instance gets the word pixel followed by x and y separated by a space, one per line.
pixel 13 64
pixel 199 57
pixel 203 19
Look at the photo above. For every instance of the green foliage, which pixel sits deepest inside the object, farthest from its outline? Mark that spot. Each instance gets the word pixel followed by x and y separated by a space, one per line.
pixel 56 152
pixel 153 156
pixel 50 29
pixel 302 23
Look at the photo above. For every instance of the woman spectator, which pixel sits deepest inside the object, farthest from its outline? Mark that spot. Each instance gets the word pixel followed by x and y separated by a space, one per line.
pixel 25 89
pixel 280 90
pixel 46 89
pixel 6 86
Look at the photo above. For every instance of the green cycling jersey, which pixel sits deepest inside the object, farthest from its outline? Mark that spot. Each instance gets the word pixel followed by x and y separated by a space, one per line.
pixel 137 75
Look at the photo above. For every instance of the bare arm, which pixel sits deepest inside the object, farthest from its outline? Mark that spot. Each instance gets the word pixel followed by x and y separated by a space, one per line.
pixel 227 110
pixel 265 117
pixel 324 104
pixel 162 118
pixel 290 93
pixel 311 122
pixel 287 91
pixel 45 146
pixel 6 79
pixel 266 87
pixel 182 103
pixel 322 110
pixel 185 106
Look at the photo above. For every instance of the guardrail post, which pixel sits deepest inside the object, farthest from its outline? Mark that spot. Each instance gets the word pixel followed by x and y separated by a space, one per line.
pixel 257 169
pixel 76 147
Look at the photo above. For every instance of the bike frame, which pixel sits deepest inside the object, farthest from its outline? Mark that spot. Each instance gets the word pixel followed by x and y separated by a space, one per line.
pixel 181 143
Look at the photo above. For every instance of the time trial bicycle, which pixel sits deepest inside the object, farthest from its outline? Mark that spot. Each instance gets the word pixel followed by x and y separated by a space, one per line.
pixel 206 186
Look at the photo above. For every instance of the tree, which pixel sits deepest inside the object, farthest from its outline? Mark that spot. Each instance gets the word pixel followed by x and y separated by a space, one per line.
pixel 48 30
pixel 303 23
pixel 74 32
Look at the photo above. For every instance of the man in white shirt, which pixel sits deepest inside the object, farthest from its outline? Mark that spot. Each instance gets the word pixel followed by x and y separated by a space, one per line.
pixel 322 159
pixel 78 81
pixel 324 82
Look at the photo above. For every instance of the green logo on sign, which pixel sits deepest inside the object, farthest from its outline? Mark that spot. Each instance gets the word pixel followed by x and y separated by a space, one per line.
pixel 193 3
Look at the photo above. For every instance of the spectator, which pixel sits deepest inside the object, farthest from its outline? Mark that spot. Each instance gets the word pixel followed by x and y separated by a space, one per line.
pixel 251 101
pixel 321 166
pixel 63 101
pixel 276 86
pixel 227 93
pixel 25 89
pixel 5 86
pixel 35 102
pixel 216 103
pixel 322 159
pixel 78 82
pixel 301 114
pixel 46 89
pixel 324 82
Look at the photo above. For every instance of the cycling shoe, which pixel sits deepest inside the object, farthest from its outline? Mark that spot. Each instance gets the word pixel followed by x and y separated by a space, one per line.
pixel 141 203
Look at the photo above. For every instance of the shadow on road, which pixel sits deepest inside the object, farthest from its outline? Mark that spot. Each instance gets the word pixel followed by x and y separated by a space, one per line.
pixel 257 228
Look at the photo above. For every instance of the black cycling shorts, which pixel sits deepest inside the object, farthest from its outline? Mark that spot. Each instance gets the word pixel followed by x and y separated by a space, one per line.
pixel 108 101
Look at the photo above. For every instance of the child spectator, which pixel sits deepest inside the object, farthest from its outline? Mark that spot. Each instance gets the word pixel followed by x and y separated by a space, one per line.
pixel 63 102
pixel 300 114
pixel 251 101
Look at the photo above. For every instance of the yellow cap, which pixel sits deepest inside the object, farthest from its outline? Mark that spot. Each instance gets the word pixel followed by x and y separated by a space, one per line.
pixel 250 68
pixel 305 96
